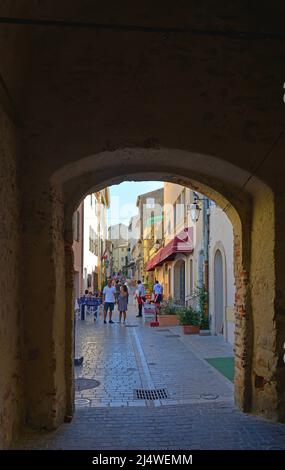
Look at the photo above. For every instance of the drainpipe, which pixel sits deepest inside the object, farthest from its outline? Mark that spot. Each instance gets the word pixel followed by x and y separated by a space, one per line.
pixel 201 264
pixel 206 238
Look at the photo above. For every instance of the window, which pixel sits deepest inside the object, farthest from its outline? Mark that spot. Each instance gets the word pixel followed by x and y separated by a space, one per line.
pixel 93 241
pixel 150 202
pixel 179 209
pixel 183 205
pixel 152 225
pixel 169 227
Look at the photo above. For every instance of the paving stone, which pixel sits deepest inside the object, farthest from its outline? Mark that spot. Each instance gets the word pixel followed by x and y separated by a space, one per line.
pixel 119 358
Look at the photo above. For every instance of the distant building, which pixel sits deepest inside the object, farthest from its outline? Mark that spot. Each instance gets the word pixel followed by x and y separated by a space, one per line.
pixel 133 237
pixel 78 250
pixel 90 239
pixel 151 228
pixel 173 263
pixel 118 235
pixel 196 254
pixel 103 200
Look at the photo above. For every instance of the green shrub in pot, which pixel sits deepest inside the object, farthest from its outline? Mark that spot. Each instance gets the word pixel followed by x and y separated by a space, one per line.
pixel 189 316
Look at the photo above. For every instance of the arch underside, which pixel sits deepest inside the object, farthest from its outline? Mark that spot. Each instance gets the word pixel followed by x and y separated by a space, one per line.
pixel 218 180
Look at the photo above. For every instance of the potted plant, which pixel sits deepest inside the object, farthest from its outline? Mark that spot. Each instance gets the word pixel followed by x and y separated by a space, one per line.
pixel 168 314
pixel 204 325
pixel 190 319
pixel 203 307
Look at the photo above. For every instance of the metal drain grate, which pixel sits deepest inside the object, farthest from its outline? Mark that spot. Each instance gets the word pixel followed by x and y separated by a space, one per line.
pixel 85 384
pixel 157 394
pixel 130 326
pixel 164 329
pixel 172 336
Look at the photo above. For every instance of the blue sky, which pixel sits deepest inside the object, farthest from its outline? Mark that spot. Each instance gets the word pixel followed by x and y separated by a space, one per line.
pixel 124 196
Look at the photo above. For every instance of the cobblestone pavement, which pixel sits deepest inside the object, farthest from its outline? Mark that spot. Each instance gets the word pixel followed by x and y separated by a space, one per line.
pixel 127 358
pixel 198 412
pixel 191 426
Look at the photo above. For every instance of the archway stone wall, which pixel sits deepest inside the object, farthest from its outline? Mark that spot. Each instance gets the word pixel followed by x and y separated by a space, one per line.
pixel 83 108
pixel 11 360
pixel 43 307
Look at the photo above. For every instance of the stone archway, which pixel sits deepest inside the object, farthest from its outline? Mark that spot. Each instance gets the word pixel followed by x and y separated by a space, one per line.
pixel 74 185
pixel 71 184
pixel 67 188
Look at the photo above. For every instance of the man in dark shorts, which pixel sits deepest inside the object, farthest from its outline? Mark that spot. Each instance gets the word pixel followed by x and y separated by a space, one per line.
pixel 109 300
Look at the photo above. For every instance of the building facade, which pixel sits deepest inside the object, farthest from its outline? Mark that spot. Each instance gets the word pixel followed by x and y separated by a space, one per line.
pixel 175 262
pixel 196 253
pixel 90 242
pixel 102 206
pixel 78 250
pixel 151 228
pixel 221 275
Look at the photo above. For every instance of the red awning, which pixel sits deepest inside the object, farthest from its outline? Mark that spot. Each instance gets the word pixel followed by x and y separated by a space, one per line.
pixel 182 243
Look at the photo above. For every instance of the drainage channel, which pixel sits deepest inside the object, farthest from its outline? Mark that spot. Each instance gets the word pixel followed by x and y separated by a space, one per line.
pixel 148 389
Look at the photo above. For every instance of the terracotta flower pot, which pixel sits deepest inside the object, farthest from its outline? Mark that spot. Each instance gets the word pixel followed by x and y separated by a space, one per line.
pixel 191 329
pixel 168 320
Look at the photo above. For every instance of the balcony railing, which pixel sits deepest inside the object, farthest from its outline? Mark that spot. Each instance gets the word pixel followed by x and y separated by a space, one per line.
pixel 191 300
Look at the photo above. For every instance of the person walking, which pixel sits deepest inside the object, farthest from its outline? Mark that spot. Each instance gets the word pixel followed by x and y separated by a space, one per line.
pixel 123 303
pixel 109 300
pixel 140 297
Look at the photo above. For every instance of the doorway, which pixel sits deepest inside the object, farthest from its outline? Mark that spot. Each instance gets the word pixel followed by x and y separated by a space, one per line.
pixel 179 282
pixel 219 293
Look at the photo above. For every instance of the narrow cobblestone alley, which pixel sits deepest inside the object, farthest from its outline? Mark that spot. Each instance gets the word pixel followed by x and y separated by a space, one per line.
pixel 196 409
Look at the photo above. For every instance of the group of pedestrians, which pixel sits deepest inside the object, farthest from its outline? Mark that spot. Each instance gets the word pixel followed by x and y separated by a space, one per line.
pixel 141 296
pixel 117 293
pixel 112 295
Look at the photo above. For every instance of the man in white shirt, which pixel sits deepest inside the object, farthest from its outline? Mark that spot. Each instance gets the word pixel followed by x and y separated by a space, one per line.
pixel 140 297
pixel 109 300
pixel 158 293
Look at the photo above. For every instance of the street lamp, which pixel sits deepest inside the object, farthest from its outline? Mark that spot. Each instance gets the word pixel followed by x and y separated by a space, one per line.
pixel 195 209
